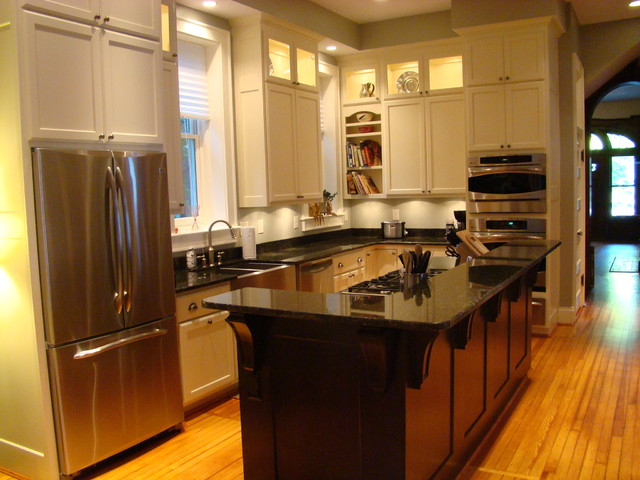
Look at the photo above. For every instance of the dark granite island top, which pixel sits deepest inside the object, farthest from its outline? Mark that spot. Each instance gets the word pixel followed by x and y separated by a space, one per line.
pixel 435 304
pixel 401 386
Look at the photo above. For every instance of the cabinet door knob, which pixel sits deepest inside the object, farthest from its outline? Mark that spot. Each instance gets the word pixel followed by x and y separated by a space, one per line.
pixel 192 306
pixel 97 16
pixel 508 145
pixel 359 259
pixel 106 19
pixel 209 321
pixel 101 136
pixel 110 137
pixel 340 265
pixel 501 146
pixel 507 77
pixel 500 79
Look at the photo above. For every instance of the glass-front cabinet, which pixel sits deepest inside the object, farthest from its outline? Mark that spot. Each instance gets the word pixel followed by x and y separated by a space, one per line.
pixel 422 74
pixel 290 60
pixel 360 84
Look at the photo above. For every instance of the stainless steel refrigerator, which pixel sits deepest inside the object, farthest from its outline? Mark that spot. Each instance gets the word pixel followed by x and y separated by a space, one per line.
pixel 108 293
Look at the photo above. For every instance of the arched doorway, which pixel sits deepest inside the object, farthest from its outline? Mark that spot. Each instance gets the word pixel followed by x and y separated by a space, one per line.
pixel 624 89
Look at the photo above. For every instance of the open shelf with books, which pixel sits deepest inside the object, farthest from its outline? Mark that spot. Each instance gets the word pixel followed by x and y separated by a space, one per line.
pixel 363 154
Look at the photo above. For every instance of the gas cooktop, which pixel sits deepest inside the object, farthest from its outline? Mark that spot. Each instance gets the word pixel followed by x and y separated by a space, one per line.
pixel 393 281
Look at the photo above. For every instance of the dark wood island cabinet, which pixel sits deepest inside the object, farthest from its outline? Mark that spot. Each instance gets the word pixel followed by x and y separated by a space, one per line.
pixel 400 386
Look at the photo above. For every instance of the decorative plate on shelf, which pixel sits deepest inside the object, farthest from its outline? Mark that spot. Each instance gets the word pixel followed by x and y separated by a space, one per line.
pixel 408 82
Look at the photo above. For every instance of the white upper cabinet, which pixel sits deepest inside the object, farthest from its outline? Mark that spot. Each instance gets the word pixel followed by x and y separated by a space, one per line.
pixel 142 17
pixel 405 147
pixel 506 58
pixel 169 40
pixel 508 117
pixel 172 137
pixel 426 146
pixel 422 72
pixel 109 93
pixel 446 146
pixel 289 59
pixel 279 157
pixel 360 84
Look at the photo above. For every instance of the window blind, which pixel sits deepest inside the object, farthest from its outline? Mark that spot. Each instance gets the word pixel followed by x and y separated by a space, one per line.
pixel 192 78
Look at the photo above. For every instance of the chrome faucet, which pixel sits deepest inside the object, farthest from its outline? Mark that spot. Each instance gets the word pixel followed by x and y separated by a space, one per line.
pixel 233 235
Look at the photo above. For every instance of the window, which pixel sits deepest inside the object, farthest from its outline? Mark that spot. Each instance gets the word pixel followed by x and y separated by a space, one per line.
pixel 623 186
pixel 190 129
pixel 205 125
pixel 617 152
pixel 595 142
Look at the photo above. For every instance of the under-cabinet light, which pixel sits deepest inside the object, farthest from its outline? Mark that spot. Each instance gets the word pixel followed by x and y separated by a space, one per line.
pixel 209 3
pixel 634 3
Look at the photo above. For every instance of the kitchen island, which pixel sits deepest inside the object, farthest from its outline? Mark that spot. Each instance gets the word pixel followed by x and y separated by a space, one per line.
pixel 400 386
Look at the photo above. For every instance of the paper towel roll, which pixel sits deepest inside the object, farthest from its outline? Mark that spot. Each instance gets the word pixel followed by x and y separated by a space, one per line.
pixel 248 239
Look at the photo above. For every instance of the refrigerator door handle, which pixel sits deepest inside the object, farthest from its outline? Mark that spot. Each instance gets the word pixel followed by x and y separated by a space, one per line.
pixel 119 343
pixel 126 247
pixel 114 235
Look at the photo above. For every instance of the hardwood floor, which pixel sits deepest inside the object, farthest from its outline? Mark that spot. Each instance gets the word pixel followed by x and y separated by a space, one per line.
pixel 577 418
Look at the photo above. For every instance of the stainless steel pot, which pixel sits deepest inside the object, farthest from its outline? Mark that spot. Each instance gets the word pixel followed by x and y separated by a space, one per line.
pixel 393 229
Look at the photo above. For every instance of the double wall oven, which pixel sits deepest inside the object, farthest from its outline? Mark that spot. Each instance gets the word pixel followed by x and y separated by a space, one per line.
pixel 507 200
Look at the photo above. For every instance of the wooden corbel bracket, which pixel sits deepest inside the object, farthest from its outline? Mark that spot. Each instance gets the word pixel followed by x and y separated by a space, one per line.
pixel 420 345
pixel 378 347
pixel 248 335
pixel 462 331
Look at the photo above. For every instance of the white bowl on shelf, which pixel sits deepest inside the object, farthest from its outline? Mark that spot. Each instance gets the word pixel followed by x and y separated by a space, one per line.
pixel 364 116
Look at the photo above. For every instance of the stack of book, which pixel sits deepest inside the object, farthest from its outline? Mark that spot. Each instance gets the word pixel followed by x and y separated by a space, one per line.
pixel 360 184
pixel 365 154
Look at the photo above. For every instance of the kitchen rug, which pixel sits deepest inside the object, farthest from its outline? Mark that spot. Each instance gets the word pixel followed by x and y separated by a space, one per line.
pixel 625 265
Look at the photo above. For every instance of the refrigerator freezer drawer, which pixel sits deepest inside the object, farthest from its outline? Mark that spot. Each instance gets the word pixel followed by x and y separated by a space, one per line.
pixel 114 391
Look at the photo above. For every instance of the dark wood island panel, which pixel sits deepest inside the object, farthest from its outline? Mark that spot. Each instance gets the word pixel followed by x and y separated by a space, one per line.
pixel 389 387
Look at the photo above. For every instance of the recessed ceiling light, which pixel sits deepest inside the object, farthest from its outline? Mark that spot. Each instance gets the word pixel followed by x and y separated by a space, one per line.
pixel 209 3
pixel 635 3
pixel 331 47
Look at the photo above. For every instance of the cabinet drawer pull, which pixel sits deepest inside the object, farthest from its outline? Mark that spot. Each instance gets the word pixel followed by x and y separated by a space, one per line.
pixel 209 321
pixel 359 260
pixel 193 306
pixel 340 264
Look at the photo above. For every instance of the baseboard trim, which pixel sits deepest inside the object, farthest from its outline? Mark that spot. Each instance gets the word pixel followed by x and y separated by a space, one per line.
pixel 567 316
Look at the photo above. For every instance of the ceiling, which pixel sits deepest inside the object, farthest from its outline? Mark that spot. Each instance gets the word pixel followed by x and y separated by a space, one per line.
pixel 365 11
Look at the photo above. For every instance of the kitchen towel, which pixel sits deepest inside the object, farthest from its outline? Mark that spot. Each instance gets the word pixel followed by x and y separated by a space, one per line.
pixel 248 240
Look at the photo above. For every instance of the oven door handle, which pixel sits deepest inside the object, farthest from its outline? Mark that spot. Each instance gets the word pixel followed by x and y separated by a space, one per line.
pixel 478 171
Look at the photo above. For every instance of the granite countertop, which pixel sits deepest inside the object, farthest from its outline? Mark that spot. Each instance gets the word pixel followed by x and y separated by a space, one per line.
pixel 294 255
pixel 434 304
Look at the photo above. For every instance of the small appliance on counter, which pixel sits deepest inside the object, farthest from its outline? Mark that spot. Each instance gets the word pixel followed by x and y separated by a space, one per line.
pixel 393 229
pixel 248 239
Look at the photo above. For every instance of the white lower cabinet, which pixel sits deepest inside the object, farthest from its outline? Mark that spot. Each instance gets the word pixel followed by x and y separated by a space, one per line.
pixel 207 356
pixel 207 347
pixel 110 92
pixel 425 145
